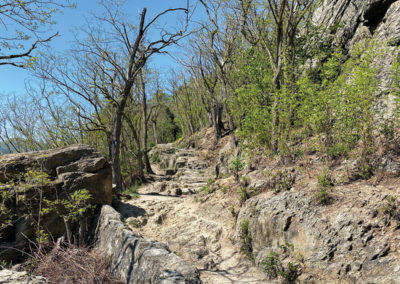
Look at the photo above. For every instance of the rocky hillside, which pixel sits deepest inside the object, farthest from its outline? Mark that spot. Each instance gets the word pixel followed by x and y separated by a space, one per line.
pixel 230 230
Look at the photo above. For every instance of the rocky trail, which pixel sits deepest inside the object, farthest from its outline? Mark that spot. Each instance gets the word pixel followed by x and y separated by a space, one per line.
pixel 198 227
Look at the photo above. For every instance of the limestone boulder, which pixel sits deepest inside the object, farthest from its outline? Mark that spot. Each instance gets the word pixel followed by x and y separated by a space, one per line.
pixel 136 260
pixel 67 170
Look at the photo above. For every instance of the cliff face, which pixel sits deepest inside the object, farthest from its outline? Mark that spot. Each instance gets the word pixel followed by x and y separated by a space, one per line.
pixel 350 240
pixel 361 19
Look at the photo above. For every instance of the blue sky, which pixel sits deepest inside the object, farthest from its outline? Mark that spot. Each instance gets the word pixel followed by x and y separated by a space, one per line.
pixel 12 79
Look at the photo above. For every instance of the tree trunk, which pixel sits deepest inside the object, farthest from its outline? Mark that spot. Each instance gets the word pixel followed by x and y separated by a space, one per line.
pixel 139 155
pixel 154 122
pixel 145 123
pixel 217 120
pixel 115 141
pixel 231 124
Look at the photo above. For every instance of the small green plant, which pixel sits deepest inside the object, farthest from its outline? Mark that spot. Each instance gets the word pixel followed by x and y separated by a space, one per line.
pixel 291 273
pixel 232 210
pixel 4 264
pixel 391 207
pixel 209 187
pixel 135 223
pixel 247 239
pixel 271 265
pixel 324 185
pixel 155 158
pixel 245 181
pixel 133 190
pixel 281 181
pixel 274 267
pixel 72 209
pixel 236 166
pixel 243 194
pixel 366 171
pixel 325 180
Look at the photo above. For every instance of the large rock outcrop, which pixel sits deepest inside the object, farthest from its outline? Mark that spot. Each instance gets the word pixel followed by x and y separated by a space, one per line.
pixel 362 19
pixel 349 241
pixel 136 260
pixel 52 174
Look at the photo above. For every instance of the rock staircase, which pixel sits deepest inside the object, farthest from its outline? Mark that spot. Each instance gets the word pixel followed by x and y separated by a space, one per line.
pixel 196 225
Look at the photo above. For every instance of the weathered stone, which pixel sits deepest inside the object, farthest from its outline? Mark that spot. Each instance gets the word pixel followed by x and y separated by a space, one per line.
pixel 20 277
pixel 332 237
pixel 69 169
pixel 89 166
pixel 136 260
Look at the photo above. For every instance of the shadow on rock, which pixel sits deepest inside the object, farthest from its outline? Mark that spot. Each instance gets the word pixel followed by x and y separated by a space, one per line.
pixel 129 210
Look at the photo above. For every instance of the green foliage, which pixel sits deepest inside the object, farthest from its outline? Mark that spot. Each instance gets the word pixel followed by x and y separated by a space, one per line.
pixel 274 267
pixel 155 158
pixel 72 208
pixel 247 239
pixel 133 190
pixel 271 265
pixel 393 121
pixel 232 210
pixel 334 100
pixel 237 165
pixel 245 181
pixel 391 207
pixel 366 171
pixel 243 194
pixel 6 215
pixel 209 187
pixel 325 184
pixel 280 180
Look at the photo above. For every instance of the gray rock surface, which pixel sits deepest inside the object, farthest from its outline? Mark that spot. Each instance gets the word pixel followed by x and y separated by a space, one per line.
pixel 68 169
pixel 361 19
pixel 136 260
pixel 346 241
pixel 20 277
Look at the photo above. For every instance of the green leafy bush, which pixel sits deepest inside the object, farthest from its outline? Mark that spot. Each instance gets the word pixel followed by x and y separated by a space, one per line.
pixel 325 184
pixel 274 267
pixel 237 165
pixel 247 239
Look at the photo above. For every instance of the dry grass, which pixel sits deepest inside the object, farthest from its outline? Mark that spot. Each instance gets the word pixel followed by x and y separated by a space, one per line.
pixel 74 265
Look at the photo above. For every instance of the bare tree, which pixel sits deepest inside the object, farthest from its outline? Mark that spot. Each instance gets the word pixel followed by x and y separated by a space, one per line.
pixel 29 19
pixel 108 64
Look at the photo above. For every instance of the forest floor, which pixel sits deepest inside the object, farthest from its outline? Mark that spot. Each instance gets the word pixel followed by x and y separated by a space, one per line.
pixel 198 226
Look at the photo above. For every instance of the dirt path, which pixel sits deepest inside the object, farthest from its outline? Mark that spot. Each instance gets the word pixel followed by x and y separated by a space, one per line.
pixel 196 225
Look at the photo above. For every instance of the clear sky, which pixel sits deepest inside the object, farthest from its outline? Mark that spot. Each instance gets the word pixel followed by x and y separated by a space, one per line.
pixel 12 79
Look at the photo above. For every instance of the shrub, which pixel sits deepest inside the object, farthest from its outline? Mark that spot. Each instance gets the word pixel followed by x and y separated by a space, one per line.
pixel 209 187
pixel 324 185
pixel 245 234
pixel 243 194
pixel 236 166
pixel 245 181
pixel 391 207
pixel 273 265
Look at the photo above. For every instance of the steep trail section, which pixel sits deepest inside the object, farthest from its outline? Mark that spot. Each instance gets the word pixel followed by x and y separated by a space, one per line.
pixel 196 225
